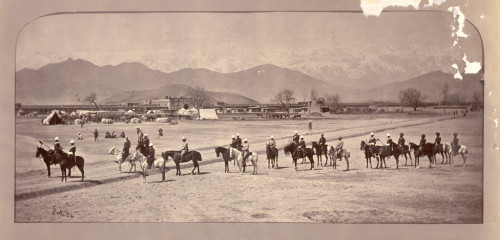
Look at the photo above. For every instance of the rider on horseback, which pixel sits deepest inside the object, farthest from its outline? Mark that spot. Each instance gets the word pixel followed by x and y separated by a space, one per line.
pixel 72 150
pixel 238 142
pixel 454 143
pixel 422 142
pixel 322 141
pixel 389 140
pixel 145 141
pixel 184 148
pixel 296 138
pixel 339 147
pixel 245 150
pixel 401 140
pixel 437 142
pixel 126 148
pixel 372 141
pixel 57 146
pixel 272 143
pixel 233 144
pixel 151 155
pixel 302 147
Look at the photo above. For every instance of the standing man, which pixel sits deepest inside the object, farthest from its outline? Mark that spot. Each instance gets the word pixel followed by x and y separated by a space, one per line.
pixel 184 148
pixel 401 140
pixel 372 141
pixel 296 138
pixel 140 137
pixel 126 149
pixel 160 133
pixel 238 142
pixel 96 134
pixel 310 125
pixel 72 150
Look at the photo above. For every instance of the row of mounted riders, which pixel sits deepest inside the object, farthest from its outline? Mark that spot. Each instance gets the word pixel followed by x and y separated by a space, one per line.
pixel 430 150
pixel 240 153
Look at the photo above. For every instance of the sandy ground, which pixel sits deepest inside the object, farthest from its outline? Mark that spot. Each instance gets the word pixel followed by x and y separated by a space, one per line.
pixel 443 194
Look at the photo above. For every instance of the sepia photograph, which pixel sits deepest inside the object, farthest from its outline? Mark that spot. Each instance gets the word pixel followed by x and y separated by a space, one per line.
pixel 322 117
pixel 222 119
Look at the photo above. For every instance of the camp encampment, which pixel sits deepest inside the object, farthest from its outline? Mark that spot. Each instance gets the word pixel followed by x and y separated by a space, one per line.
pixel 208 114
pixel 53 118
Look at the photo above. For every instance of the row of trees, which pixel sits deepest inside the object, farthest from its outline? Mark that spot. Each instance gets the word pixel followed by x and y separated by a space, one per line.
pixel 287 96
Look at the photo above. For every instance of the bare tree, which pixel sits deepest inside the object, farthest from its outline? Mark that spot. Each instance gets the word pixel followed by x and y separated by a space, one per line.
pixel 286 98
pixel 445 93
pixel 314 94
pixel 476 101
pixel 91 99
pixel 333 102
pixel 200 98
pixel 304 95
pixel 462 96
pixel 411 97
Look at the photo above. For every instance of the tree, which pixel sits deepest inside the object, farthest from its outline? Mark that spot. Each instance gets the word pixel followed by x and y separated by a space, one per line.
pixel 286 98
pixel 476 101
pixel 411 97
pixel 91 99
pixel 314 94
pixel 445 92
pixel 333 102
pixel 200 98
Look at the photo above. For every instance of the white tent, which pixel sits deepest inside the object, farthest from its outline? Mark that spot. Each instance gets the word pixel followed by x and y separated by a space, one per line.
pixel 208 114
pixel 130 112
pixel 53 118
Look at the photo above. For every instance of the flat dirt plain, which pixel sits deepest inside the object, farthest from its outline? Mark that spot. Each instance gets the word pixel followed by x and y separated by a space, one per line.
pixel 444 194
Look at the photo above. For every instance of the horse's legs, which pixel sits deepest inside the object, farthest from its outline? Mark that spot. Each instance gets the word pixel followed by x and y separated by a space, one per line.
pixel 226 166
pixel 69 172
pixel 347 161
pixel 397 161
pixel 81 170
pixel 465 158
pixel 48 169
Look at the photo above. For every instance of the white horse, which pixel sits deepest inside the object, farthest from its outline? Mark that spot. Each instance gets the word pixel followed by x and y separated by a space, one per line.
pixel 253 157
pixel 157 163
pixel 345 153
pixel 462 151
pixel 130 159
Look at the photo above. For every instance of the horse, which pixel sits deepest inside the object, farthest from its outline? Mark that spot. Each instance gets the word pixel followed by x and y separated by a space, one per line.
pixel 370 151
pixel 443 149
pixel 462 150
pixel 428 150
pixel 320 150
pixel 291 149
pixel 404 150
pixel 272 156
pixel 120 160
pixel 142 149
pixel 225 155
pixel 65 162
pixel 334 155
pixel 189 156
pixel 152 164
pixel 47 158
pixel 253 157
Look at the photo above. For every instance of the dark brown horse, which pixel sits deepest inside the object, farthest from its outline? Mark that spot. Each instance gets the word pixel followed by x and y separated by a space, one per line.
pixel 189 156
pixel 292 149
pixel 320 151
pixel 429 150
pixel 272 156
pixel 370 151
pixel 225 155
pixel 63 159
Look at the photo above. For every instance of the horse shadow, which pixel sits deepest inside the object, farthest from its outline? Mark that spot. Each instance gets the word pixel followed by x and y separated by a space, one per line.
pixel 166 181
pixel 97 182
pixel 282 167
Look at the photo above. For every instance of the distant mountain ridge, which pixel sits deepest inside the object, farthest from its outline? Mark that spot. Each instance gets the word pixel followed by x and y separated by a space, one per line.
pixel 65 82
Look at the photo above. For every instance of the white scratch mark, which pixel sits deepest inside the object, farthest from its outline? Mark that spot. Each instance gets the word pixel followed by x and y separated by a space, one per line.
pixel 375 7
pixel 459 17
pixel 495 141
pixel 471 67
pixel 482 16
pixel 434 2
pixel 496 122
pixel 489 93
pixel 457 75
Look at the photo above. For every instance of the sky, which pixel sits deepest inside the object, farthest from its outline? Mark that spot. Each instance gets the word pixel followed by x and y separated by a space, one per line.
pixel 228 42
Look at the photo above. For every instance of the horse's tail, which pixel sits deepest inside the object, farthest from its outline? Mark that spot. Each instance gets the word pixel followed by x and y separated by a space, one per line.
pixel 80 161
